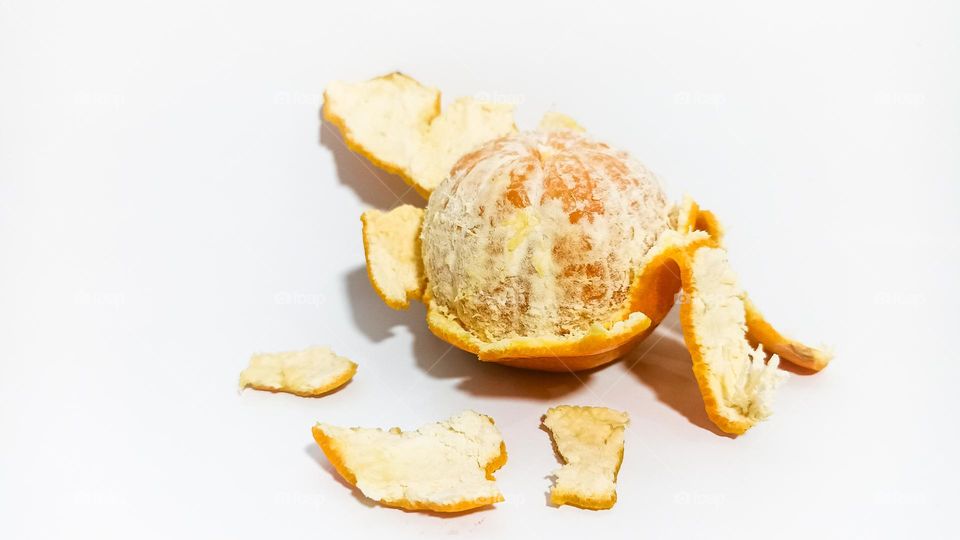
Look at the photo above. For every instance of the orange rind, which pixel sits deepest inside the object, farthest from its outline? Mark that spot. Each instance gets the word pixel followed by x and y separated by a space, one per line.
pixel 311 372
pixel 598 345
pixel 589 440
pixel 759 330
pixel 391 244
pixel 550 250
pixel 554 121
pixel 396 123
pixel 735 380
pixel 445 466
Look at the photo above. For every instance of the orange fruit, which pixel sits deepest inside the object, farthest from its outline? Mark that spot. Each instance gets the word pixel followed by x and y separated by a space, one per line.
pixel 550 250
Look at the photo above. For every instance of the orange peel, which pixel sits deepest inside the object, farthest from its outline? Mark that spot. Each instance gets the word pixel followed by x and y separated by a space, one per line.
pixel 554 121
pixel 445 466
pixel 391 244
pixel 598 345
pixel 311 372
pixel 589 440
pixel 735 380
pixel 759 330
pixel 549 250
pixel 396 123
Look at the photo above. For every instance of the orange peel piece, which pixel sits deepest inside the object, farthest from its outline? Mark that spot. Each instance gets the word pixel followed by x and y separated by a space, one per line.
pixel 445 466
pixel 391 244
pixel 736 382
pixel 658 282
pixel 727 337
pixel 554 121
pixel 311 372
pixel 589 440
pixel 600 344
pixel 759 330
pixel 396 123
pixel 693 218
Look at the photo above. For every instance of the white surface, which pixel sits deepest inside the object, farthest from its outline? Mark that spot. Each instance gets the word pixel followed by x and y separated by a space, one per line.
pixel 169 204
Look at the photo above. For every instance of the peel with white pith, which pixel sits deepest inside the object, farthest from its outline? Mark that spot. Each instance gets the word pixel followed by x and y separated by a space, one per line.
pixel 311 372
pixel 397 124
pixel 442 467
pixel 589 440
pixel 736 384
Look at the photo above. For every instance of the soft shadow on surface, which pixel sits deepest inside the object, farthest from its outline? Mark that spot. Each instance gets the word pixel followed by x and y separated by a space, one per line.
pixel 495 380
pixel 552 478
pixel 374 186
pixel 443 361
pixel 374 318
pixel 663 363
pixel 316 453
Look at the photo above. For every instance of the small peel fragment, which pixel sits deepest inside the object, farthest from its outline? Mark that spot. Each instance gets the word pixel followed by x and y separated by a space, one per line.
pixel 555 121
pixel 396 123
pixel 590 442
pixel 391 244
pixel 736 382
pixel 311 372
pixel 691 218
pixel 441 467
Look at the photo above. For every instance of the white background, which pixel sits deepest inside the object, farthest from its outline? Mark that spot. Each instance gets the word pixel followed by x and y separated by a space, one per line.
pixel 170 204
